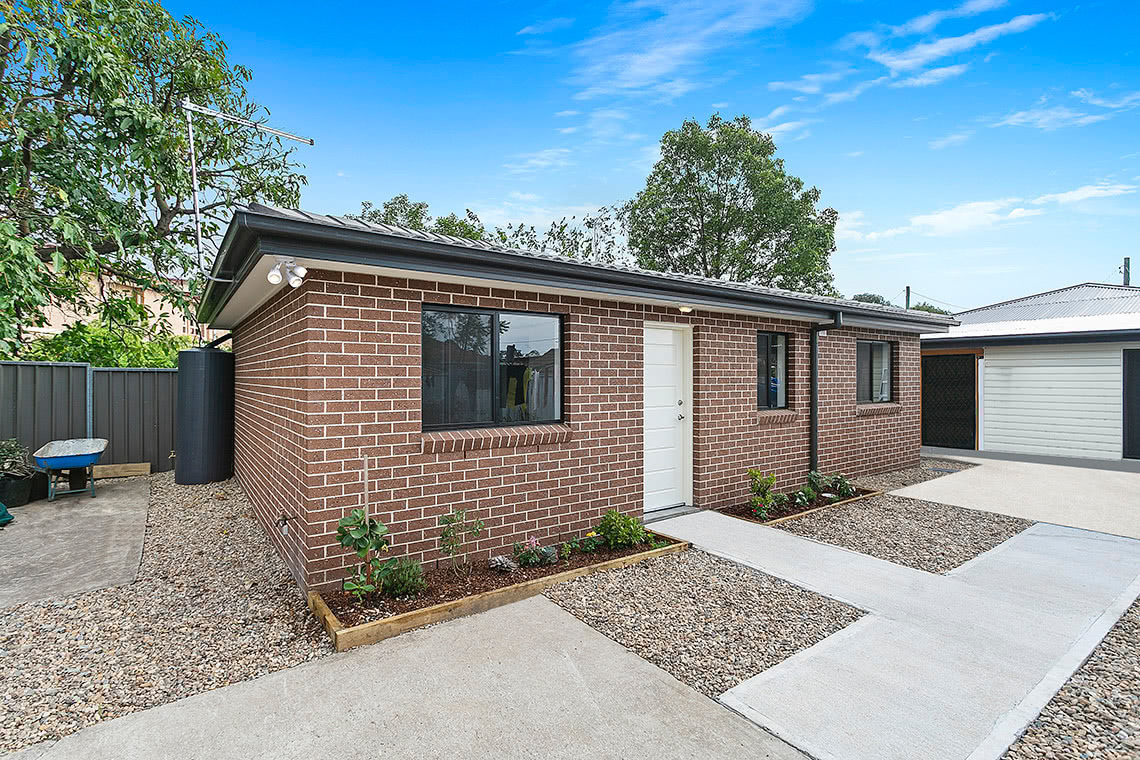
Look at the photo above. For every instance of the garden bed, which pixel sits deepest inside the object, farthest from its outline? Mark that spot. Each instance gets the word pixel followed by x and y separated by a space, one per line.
pixel 792 510
pixel 449 596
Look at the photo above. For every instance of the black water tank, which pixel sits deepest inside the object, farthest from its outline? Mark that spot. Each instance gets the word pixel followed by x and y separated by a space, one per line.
pixel 204 449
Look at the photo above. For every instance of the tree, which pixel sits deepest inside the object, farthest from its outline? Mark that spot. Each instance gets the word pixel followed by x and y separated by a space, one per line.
pixel 94 157
pixel 720 204
pixel 594 238
pixel 104 346
pixel 871 298
pixel 926 306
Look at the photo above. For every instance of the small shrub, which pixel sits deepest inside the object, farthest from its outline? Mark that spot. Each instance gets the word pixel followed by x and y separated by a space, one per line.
pixel 620 530
pixel 457 531
pixel 405 579
pixel 761 485
pixel 368 537
pixel 804 497
pixel 532 554
pixel 565 551
pixel 817 481
pixel 590 542
pixel 842 486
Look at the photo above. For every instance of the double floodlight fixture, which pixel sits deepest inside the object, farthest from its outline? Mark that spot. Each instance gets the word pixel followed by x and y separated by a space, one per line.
pixel 286 270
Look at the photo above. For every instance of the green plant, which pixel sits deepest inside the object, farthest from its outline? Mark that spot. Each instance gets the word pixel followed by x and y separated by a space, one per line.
pixel 14 460
pixel 590 542
pixel 406 579
pixel 804 497
pixel 761 485
pixel 368 537
pixel 565 551
pixel 842 486
pixel 532 554
pixel 457 531
pixel 817 481
pixel 620 530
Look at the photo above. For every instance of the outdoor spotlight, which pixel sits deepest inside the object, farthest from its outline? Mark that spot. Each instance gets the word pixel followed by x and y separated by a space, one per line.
pixel 295 276
pixel 299 270
pixel 685 309
pixel 274 275
pixel 282 523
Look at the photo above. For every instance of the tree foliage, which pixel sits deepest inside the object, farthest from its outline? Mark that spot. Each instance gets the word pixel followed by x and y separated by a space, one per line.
pixel 927 306
pixel 871 298
pixel 595 237
pixel 720 204
pixel 104 346
pixel 93 156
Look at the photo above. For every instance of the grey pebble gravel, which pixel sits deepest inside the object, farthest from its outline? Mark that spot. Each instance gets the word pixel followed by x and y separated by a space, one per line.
pixel 705 620
pixel 213 605
pixel 1096 714
pixel 928 468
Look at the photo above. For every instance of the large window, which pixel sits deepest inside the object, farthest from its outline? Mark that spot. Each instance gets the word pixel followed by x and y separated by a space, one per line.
pixel 873 371
pixel 772 370
pixel 485 368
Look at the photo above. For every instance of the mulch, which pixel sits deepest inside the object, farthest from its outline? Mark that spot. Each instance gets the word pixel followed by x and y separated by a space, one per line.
pixel 445 585
pixel 744 511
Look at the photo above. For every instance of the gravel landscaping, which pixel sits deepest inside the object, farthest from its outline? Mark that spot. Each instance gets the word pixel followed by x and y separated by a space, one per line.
pixel 928 469
pixel 213 605
pixel 1096 714
pixel 920 534
pixel 705 620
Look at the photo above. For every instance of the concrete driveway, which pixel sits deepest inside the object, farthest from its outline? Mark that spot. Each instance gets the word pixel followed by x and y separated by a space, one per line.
pixel 527 680
pixel 74 543
pixel 1102 500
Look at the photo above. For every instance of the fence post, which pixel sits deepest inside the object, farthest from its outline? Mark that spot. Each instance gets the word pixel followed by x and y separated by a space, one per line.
pixel 90 401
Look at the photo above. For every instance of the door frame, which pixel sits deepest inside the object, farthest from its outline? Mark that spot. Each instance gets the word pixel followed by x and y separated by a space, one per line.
pixel 1125 421
pixel 686 332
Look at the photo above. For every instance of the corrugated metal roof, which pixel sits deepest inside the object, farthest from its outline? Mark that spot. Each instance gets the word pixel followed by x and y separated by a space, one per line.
pixel 411 234
pixel 1085 300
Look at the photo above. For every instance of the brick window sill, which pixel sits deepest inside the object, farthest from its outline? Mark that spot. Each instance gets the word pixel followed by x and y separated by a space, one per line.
pixel 449 441
pixel 876 410
pixel 772 417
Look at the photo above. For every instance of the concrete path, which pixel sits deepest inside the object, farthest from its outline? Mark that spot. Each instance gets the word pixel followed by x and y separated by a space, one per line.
pixel 946 667
pixel 527 680
pixel 1095 499
pixel 74 543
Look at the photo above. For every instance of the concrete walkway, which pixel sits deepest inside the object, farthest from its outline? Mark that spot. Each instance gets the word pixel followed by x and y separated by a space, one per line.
pixel 946 667
pixel 74 543
pixel 527 680
pixel 1096 499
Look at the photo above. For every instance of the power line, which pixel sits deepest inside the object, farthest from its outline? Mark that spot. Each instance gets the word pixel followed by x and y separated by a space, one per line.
pixel 932 298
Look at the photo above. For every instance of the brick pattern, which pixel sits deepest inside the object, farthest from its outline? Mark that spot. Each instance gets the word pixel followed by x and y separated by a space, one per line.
pixel 330 373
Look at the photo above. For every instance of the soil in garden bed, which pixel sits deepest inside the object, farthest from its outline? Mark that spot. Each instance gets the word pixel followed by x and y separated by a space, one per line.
pixel 444 585
pixel 744 511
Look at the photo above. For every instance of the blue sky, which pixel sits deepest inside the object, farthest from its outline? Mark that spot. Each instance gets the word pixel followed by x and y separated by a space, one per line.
pixel 976 151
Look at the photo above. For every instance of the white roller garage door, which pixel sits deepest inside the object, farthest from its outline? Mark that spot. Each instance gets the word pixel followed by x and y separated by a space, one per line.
pixel 1063 400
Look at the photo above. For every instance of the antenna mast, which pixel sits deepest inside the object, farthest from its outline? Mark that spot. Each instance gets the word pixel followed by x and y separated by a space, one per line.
pixel 189 107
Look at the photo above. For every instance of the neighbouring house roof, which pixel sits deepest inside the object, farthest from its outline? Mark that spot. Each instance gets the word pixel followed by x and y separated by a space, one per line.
pixel 1089 311
pixel 259 232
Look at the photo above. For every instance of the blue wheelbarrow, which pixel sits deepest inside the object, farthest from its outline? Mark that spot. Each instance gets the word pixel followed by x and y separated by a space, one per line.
pixel 74 454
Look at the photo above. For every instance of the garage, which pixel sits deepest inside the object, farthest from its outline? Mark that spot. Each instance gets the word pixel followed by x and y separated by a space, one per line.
pixel 1052 374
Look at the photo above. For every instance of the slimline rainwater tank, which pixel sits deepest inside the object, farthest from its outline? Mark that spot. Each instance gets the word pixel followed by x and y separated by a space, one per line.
pixel 204 448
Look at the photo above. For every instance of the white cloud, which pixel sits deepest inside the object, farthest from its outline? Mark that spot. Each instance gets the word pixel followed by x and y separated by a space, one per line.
pixel 607 123
pixel 1021 213
pixel 965 217
pixel 568 130
pixel 777 112
pixel 545 27
pixel 790 128
pixel 956 138
pixel 854 154
pixel 720 105
pixel 550 158
pixel 892 256
pixel 843 96
pixel 924 53
pixel 1050 118
pixel 340 173
pixel 927 21
pixel 525 197
pixel 850 226
pixel 811 84
pixel 933 76
pixel 1122 103
pixel 563 114
pixel 1102 190
pixel 646 157
pixel 655 47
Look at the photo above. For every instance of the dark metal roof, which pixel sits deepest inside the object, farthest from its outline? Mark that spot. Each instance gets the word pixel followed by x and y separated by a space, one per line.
pixel 1084 300
pixel 258 229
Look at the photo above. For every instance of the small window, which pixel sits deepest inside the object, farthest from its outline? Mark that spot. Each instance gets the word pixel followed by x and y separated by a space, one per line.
pixel 483 368
pixel 873 371
pixel 772 370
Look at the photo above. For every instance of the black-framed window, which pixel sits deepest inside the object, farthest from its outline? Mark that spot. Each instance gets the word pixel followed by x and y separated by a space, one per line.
pixel 772 370
pixel 488 368
pixel 872 371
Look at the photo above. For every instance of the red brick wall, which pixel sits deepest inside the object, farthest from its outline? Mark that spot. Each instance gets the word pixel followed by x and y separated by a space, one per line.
pixel 330 373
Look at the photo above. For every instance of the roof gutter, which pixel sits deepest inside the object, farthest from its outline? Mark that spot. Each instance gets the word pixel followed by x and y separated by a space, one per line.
pixel 813 425
pixel 252 234
pixel 1029 339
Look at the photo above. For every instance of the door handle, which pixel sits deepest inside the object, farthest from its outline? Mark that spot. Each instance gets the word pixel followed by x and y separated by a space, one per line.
pixel 680 416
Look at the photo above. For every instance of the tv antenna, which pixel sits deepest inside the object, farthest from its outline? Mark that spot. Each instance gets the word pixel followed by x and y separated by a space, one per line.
pixel 189 107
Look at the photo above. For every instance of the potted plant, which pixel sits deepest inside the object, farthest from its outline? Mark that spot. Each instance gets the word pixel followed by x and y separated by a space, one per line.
pixel 16 474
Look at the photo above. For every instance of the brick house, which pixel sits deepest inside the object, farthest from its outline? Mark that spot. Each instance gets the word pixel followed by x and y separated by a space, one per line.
pixel 533 390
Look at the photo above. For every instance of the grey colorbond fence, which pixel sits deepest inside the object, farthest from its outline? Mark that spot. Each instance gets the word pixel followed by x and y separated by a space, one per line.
pixel 133 408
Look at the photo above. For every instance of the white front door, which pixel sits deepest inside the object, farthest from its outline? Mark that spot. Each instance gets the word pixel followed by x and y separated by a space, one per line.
pixel 667 414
